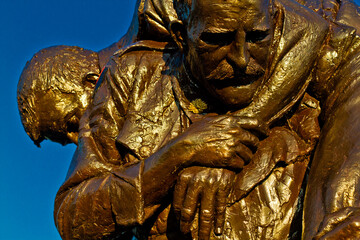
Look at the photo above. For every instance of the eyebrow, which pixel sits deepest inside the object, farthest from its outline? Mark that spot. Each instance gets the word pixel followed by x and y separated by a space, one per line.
pixel 217 30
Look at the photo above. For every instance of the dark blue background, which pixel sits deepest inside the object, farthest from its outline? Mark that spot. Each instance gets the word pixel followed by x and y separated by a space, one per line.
pixel 31 176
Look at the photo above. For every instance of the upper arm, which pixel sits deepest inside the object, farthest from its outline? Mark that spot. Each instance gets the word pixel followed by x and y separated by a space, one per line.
pixel 334 179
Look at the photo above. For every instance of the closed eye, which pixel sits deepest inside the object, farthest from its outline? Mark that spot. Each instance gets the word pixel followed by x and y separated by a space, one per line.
pixel 220 39
pixel 256 36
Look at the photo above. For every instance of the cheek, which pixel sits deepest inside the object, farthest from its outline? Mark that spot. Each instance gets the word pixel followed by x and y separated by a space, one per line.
pixel 211 57
pixel 260 53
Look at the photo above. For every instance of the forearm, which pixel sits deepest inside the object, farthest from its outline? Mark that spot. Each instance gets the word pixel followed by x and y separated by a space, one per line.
pixel 160 170
pixel 145 182
pixel 91 209
pixel 99 198
pixel 94 201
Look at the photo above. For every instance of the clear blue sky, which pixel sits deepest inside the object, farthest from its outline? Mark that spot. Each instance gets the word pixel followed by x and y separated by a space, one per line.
pixel 31 176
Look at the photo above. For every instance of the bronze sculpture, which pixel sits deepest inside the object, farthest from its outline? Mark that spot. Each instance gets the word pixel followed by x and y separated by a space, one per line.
pixel 225 116
pixel 75 70
pixel 62 79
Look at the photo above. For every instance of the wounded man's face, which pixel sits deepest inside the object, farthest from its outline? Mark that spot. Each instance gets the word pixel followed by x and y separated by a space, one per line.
pixel 228 44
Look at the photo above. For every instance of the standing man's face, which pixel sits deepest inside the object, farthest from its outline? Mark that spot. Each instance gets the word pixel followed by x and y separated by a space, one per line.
pixel 227 47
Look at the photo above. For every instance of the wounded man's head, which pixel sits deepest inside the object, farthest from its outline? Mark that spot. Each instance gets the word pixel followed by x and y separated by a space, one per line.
pixel 54 90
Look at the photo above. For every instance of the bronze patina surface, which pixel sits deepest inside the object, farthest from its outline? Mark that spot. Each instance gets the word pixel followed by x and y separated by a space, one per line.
pixel 211 119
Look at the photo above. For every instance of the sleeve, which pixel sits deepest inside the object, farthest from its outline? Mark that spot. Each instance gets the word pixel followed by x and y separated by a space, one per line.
pixel 97 197
pixel 332 201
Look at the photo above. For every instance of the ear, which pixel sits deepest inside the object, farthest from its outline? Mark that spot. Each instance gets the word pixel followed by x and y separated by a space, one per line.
pixel 90 79
pixel 178 33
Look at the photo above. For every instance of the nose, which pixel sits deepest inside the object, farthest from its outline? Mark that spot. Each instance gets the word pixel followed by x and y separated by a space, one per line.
pixel 238 52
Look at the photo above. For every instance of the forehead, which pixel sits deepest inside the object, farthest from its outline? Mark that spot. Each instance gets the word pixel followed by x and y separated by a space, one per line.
pixel 228 13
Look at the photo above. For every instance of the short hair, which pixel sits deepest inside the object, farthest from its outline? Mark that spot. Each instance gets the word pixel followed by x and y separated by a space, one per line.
pixel 58 68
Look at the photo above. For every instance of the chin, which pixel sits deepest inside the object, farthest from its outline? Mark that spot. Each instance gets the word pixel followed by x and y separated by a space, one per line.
pixel 236 97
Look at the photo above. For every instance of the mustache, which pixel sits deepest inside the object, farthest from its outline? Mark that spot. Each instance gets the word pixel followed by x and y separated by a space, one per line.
pixel 226 71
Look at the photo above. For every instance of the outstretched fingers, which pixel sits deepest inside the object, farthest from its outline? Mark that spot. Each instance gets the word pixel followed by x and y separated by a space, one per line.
pixel 180 193
pixel 207 212
pixel 189 207
pixel 220 209
pixel 204 191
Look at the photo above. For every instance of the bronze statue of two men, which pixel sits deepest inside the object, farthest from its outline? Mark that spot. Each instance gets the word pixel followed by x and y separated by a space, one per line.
pixel 213 119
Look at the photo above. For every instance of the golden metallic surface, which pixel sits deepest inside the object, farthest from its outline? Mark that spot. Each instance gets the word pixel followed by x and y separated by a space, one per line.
pixel 211 119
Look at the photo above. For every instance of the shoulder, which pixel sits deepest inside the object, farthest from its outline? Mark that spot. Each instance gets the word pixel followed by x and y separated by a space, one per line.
pixel 143 51
pixel 142 58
